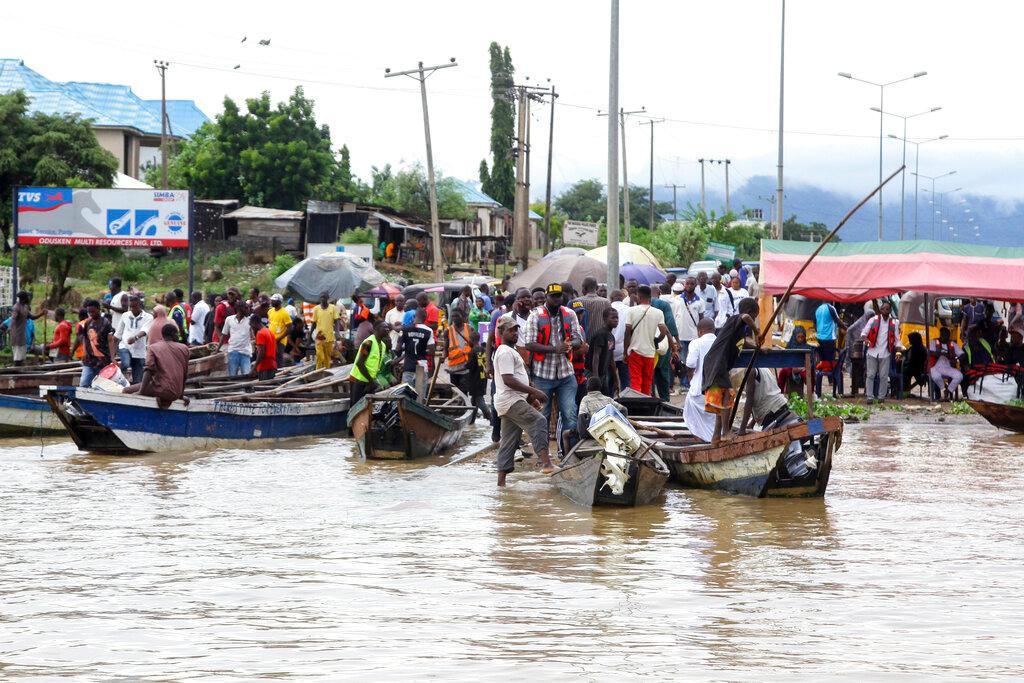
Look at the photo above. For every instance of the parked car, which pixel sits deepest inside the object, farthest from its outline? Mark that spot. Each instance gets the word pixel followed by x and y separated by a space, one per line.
pixel 708 267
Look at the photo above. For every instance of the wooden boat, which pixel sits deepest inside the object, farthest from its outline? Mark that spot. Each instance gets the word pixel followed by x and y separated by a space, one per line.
pixel 1001 415
pixel 590 476
pixel 23 411
pixel 750 464
pixel 639 404
pixel 104 422
pixel 394 425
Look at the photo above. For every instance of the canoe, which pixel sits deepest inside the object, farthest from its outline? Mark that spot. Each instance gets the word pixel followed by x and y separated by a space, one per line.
pixel 750 464
pixel 1001 415
pixel 639 404
pixel 27 413
pixel 394 425
pixel 118 424
pixel 590 476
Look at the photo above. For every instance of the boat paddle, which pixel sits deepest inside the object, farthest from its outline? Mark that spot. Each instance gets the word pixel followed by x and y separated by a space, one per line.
pixel 765 331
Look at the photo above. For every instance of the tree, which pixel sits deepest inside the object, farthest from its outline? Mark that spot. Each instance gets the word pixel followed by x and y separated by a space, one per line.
pixel 584 201
pixel 408 192
pixel 810 232
pixel 49 150
pixel 274 156
pixel 500 181
pixel 557 221
pixel 639 207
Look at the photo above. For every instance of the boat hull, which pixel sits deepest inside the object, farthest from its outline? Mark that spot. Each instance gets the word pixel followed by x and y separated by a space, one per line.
pixel 752 465
pixel 120 424
pixel 1010 418
pixel 419 432
pixel 27 415
pixel 581 481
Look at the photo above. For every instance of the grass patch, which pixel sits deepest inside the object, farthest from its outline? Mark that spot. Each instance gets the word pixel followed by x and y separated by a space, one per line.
pixel 827 407
pixel 962 408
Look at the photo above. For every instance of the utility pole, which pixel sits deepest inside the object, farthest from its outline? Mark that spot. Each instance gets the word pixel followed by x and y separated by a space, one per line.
pixel 612 225
pixel 703 206
pixel 547 193
pixel 625 172
pixel 727 162
pixel 675 205
pixel 650 195
pixel 161 66
pixel 777 232
pixel 521 213
pixel 421 74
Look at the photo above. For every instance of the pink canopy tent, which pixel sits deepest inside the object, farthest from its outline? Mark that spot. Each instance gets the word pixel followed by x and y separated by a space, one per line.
pixel 859 271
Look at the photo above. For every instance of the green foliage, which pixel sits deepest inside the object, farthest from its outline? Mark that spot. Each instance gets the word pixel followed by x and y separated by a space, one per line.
pixel 359 236
pixel 407 191
pixel 826 407
pixel 584 201
pixel 805 232
pixel 228 259
pixel 557 221
pixel 500 181
pixel 1015 402
pixel 964 408
pixel 281 264
pixel 268 156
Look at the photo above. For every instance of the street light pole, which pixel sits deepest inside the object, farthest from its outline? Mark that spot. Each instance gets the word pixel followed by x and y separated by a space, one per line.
pixel 650 196
pixel 421 74
pixel 917 165
pixel 933 179
pixel 881 129
pixel 625 171
pixel 777 232
pixel 547 192
pixel 903 174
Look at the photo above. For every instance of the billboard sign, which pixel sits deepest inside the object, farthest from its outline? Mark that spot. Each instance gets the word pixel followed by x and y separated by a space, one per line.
pixel 721 251
pixel 580 232
pixel 123 218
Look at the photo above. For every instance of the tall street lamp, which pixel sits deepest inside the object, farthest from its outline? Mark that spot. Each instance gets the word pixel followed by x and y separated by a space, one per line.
pixel 938 212
pixel 903 174
pixel 917 160
pixel 881 121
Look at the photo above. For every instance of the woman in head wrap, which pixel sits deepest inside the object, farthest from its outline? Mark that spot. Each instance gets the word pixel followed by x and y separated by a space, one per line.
pixel 791 380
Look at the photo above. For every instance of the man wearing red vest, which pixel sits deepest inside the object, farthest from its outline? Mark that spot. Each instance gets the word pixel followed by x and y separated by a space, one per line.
pixel 552 332
pixel 882 335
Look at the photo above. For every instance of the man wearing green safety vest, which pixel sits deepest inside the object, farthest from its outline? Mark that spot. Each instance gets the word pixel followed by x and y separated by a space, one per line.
pixel 176 312
pixel 369 362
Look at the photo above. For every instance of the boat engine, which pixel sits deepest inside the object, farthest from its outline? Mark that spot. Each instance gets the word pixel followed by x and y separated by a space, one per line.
pixel 615 470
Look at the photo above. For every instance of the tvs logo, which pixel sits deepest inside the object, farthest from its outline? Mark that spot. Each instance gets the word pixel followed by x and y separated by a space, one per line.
pixel 43 199
pixel 175 222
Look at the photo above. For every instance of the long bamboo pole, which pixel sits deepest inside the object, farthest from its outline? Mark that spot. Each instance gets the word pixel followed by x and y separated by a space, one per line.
pixel 789 290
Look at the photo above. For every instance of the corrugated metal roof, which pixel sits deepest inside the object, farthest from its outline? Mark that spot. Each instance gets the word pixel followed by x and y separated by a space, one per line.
pixel 263 213
pixel 473 196
pixel 106 104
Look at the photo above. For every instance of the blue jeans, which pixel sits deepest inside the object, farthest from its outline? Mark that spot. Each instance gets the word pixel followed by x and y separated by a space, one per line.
pixel 239 363
pixel 564 392
pixel 136 366
pixel 683 351
pixel 88 373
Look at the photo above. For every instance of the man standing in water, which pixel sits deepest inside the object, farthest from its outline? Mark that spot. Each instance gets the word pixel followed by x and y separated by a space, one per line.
pixel 517 403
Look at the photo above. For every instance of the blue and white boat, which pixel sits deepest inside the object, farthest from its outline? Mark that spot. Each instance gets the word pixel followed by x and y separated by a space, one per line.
pixel 113 423
pixel 27 415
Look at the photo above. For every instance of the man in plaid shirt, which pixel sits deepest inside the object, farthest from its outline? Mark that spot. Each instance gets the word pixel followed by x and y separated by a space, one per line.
pixel 552 332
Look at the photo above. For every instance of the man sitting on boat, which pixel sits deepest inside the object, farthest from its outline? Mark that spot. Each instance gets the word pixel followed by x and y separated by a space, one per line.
pixel 369 362
pixel 517 403
pixel 166 369
pixel 594 400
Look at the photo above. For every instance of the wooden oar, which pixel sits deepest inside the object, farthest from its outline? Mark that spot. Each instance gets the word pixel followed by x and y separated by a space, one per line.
pixel 789 290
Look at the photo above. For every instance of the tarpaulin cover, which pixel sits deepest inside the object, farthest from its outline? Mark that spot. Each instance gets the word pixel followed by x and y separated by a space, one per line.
pixel 858 271
pixel 337 273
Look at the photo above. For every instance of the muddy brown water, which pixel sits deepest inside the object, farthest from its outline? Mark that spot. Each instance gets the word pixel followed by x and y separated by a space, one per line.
pixel 306 563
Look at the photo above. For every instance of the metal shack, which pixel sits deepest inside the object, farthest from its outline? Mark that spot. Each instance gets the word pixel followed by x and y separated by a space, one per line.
pixel 278 229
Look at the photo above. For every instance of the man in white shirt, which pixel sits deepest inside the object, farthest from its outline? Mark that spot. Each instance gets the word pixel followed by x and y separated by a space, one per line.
pixel 708 294
pixel 700 422
pixel 118 303
pixel 237 333
pixel 516 402
pixel 131 334
pixel 645 328
pixel 943 354
pixel 726 304
pixel 882 335
pixel 620 335
pixel 394 318
pixel 200 315
pixel 692 307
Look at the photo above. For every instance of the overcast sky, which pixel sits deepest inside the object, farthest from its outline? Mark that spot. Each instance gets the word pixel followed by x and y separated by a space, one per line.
pixel 712 68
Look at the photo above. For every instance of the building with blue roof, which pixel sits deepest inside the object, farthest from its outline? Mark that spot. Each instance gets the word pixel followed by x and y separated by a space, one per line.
pixel 125 124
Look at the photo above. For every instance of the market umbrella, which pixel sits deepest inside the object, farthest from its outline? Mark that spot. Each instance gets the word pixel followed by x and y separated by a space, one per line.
pixel 337 273
pixel 643 273
pixel 560 269
pixel 565 251
pixel 386 290
pixel 628 253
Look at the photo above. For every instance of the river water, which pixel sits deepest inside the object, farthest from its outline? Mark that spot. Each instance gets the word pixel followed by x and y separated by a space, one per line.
pixel 307 563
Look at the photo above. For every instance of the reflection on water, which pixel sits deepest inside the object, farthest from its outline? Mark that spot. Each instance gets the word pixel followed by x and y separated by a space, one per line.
pixel 306 562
